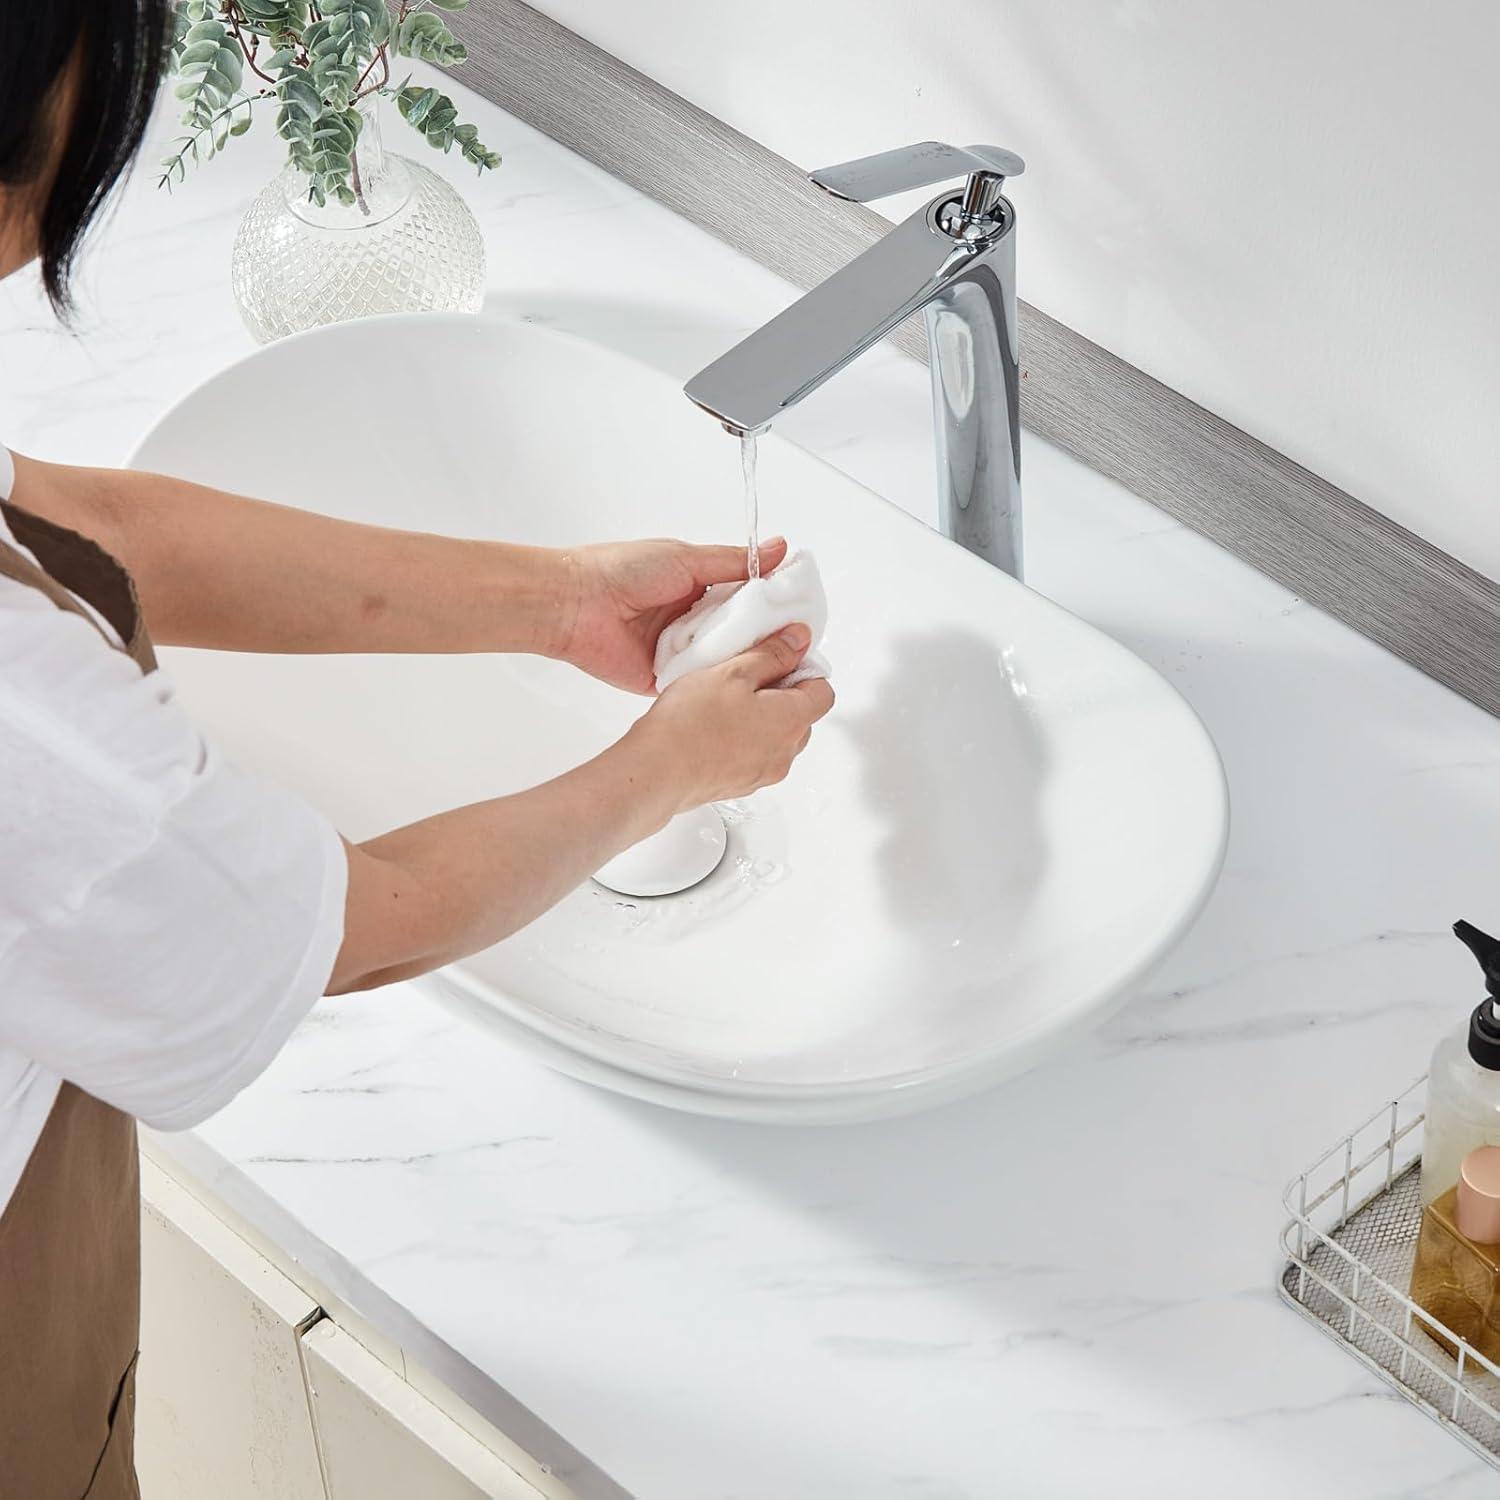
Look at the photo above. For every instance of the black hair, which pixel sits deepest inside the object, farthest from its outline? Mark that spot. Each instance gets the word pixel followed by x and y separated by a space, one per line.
pixel 121 51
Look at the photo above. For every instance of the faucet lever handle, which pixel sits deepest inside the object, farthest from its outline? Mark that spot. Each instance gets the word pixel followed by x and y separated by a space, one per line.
pixel 923 165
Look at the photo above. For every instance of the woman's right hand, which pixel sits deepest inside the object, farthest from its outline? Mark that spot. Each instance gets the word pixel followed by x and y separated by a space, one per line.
pixel 436 890
pixel 724 731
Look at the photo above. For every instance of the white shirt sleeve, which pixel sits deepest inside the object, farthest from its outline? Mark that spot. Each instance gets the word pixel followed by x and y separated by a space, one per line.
pixel 165 920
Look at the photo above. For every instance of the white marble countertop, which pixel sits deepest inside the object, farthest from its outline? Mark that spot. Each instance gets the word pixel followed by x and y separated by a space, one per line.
pixel 1061 1288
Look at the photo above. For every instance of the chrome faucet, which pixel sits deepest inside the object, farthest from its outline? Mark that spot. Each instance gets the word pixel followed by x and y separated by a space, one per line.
pixel 955 262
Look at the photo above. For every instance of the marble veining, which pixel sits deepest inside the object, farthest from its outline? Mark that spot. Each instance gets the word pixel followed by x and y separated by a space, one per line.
pixel 1061 1288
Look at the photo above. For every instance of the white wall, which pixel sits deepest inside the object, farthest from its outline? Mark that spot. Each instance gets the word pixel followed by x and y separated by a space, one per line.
pixel 1289 210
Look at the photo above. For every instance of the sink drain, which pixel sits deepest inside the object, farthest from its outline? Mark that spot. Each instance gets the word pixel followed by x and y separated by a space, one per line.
pixel 684 854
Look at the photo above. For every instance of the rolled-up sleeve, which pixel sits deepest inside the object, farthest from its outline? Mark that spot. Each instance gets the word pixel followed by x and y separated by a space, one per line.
pixel 162 957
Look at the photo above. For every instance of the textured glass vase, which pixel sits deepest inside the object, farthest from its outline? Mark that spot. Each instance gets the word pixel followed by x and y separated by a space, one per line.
pixel 407 244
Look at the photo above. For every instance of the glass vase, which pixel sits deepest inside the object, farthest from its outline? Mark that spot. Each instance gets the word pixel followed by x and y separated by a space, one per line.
pixel 408 243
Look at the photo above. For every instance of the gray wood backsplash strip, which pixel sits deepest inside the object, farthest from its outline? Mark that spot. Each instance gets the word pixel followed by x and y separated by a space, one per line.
pixel 1330 548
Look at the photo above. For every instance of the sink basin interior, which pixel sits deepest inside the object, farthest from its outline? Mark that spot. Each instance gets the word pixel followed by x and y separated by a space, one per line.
pixel 1005 819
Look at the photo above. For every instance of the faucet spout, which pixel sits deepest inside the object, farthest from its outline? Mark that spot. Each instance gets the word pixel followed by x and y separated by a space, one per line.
pixel 952 261
pixel 820 333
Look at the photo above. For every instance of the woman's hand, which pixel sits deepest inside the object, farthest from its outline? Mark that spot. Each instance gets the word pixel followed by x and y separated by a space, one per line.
pixel 725 731
pixel 622 595
pixel 434 891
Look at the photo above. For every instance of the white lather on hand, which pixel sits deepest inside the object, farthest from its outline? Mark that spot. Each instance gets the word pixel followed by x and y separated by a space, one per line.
pixel 732 617
pixel 728 619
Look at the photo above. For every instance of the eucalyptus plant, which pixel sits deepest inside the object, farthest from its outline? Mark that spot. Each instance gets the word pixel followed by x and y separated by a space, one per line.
pixel 315 60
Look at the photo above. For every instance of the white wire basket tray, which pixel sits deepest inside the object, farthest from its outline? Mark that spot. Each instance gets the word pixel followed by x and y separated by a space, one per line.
pixel 1350 1242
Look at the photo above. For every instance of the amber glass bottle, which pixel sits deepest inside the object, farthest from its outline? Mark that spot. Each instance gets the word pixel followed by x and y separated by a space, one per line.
pixel 1456 1276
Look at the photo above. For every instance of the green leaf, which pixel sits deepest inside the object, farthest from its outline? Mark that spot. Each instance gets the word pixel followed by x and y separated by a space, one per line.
pixel 210 66
pixel 320 138
pixel 425 35
pixel 436 116
pixel 342 45
pixel 281 21
pixel 414 104
pixel 368 19
pixel 321 58
pixel 198 52
pixel 208 139
pixel 298 95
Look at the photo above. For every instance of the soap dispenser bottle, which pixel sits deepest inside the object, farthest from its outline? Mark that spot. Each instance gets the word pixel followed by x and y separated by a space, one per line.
pixel 1463 1084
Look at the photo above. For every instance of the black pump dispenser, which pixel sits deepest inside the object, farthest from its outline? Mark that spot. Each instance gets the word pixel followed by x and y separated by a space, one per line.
pixel 1484 1024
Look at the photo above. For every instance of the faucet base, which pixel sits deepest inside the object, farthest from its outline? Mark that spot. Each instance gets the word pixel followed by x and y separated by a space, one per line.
pixel 971 341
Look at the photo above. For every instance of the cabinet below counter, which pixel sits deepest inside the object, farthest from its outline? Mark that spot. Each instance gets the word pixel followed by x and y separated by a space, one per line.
pixel 251 1389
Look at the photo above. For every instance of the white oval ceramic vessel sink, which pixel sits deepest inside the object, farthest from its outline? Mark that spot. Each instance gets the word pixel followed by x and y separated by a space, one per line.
pixel 1005 820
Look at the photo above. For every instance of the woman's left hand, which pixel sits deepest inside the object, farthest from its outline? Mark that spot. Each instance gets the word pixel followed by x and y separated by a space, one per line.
pixel 625 593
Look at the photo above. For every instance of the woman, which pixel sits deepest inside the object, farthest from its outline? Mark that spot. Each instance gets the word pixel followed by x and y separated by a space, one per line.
pixel 166 921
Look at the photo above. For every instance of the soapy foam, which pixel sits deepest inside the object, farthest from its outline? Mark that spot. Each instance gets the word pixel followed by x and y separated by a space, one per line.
pixel 732 617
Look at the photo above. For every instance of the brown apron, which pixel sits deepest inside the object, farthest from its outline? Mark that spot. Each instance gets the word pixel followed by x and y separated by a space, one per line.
pixel 70 1257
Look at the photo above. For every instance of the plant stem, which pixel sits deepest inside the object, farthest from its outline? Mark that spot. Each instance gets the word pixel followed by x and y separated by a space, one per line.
pixel 383 58
pixel 356 184
pixel 248 100
pixel 234 16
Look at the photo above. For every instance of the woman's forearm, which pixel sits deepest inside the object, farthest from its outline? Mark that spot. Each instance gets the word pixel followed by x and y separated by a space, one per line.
pixel 213 569
pixel 435 891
